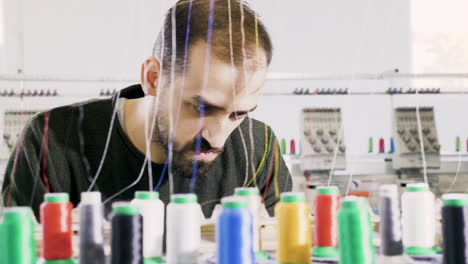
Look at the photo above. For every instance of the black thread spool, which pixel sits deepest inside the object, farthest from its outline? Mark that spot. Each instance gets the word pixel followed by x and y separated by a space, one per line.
pixel 455 228
pixel 127 234
pixel 91 229
pixel 390 224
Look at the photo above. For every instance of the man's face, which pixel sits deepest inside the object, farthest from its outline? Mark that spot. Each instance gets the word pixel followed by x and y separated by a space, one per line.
pixel 206 108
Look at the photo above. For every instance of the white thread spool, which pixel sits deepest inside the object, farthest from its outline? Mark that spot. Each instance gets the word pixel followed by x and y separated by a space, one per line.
pixel 418 213
pixel 252 196
pixel 183 229
pixel 152 210
pixel 90 198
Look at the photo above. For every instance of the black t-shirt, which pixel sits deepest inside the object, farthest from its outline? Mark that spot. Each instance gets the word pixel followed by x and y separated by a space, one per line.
pixel 76 136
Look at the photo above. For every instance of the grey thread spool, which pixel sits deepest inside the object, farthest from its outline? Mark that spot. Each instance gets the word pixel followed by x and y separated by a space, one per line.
pixel 91 229
pixel 390 223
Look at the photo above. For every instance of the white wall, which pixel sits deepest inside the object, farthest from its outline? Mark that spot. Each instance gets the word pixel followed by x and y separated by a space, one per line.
pixel 338 36
pixel 81 37
pixel 112 37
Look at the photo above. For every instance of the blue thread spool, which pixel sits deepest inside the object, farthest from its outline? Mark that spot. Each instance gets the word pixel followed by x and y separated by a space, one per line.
pixel 234 233
pixel 392 146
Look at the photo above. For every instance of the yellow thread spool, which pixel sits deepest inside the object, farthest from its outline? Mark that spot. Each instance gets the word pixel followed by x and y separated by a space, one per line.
pixel 294 231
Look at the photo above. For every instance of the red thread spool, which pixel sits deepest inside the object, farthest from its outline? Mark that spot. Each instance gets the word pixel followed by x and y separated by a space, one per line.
pixel 381 146
pixel 56 219
pixel 327 204
pixel 292 147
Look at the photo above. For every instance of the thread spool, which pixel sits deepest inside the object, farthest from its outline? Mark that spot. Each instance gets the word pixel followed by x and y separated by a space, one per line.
pixel 327 204
pixel 391 245
pixel 283 146
pixel 252 196
pixel 292 147
pixel 152 210
pixel 455 228
pixel 381 145
pixel 91 229
pixel 56 219
pixel 17 244
pixel 234 232
pixel 127 234
pixel 183 229
pixel 293 225
pixel 390 225
pixel 355 231
pixel 418 214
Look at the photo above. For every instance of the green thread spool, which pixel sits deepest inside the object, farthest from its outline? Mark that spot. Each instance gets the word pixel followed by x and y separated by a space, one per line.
pixel 355 232
pixel 283 146
pixel 17 244
pixel 371 145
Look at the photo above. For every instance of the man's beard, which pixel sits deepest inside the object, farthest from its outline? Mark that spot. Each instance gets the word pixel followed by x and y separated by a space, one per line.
pixel 183 157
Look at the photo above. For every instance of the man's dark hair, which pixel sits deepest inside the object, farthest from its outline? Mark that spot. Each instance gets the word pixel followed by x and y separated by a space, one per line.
pixel 194 15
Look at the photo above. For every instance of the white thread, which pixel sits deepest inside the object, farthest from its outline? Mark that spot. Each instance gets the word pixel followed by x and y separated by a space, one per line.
pixel 152 210
pixel 149 134
pixel 353 74
pixel 335 153
pixel 244 70
pixel 106 147
pixel 206 72
pixel 114 114
pixel 171 98
pixel 418 217
pixel 459 163
pixel 145 163
pixel 456 173
pixel 421 139
pixel 231 49
pixel 251 195
pixel 350 181
pixel 90 198
pixel 183 230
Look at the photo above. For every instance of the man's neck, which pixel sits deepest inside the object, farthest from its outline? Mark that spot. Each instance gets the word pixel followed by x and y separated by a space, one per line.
pixel 135 111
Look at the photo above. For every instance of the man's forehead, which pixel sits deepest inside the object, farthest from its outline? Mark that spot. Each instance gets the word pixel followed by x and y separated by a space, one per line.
pixel 247 77
pixel 224 78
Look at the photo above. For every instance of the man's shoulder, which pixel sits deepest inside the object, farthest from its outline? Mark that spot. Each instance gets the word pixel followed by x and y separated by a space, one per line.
pixel 104 105
pixel 254 126
pixel 90 110
pixel 252 131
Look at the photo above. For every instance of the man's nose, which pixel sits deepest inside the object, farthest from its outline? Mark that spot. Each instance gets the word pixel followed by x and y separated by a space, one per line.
pixel 216 131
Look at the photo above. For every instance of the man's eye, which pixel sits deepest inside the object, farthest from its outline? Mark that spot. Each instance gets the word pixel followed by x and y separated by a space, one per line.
pixel 200 108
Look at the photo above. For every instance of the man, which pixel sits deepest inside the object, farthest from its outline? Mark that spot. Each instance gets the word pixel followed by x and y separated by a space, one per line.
pixel 201 92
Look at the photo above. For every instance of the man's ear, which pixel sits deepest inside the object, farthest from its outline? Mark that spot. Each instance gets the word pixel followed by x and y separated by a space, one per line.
pixel 150 74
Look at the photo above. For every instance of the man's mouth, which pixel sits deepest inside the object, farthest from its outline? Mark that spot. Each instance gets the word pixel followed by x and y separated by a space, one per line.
pixel 205 155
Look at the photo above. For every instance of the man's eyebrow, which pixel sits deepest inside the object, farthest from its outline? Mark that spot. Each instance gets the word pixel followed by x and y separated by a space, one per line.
pixel 198 99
